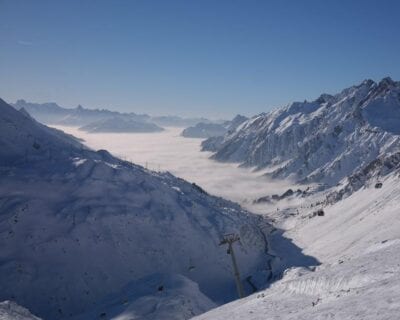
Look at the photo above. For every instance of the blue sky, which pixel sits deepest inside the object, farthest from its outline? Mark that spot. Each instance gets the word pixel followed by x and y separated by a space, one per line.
pixel 211 58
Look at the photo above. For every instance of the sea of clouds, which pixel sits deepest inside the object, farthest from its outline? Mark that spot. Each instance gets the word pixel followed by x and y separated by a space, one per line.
pixel 169 151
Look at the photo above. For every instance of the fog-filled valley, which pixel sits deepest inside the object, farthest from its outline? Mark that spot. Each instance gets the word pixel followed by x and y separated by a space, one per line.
pixel 121 224
pixel 169 151
pixel 205 160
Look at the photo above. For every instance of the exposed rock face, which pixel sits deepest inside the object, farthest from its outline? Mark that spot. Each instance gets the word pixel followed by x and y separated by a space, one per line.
pixel 321 141
pixel 369 174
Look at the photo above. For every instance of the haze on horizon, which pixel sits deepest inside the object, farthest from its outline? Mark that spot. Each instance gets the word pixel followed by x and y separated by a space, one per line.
pixel 193 58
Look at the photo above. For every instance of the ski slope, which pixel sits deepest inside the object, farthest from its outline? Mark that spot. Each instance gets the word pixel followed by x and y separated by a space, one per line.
pixel 358 243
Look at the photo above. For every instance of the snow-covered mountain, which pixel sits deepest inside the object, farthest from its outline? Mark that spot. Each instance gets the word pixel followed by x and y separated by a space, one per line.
pixel 349 141
pixel 324 140
pixel 79 228
pixel 120 124
pixel 208 130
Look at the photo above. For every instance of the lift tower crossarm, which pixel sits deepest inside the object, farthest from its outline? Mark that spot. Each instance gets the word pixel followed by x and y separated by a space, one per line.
pixel 229 239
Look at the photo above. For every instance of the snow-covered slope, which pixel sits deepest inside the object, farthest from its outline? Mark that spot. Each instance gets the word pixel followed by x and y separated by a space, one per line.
pixel 324 140
pixel 78 225
pixel 370 175
pixel 23 139
pixel 207 130
pixel 120 124
pixel 9 310
pixel 358 242
pixel 159 296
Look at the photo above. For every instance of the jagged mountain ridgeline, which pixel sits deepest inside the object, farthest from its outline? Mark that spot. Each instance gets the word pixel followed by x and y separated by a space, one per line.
pixel 78 226
pixel 321 141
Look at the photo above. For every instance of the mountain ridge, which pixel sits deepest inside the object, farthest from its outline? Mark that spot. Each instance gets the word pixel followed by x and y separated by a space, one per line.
pixel 324 140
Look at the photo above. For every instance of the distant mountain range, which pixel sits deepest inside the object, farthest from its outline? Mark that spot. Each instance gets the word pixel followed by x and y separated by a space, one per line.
pixel 52 113
pixel 208 130
pixel 325 141
pixel 120 124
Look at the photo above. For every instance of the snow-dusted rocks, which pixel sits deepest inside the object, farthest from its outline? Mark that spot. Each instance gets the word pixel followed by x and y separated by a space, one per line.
pixel 78 225
pixel 9 310
pixel 320 141
pixel 372 174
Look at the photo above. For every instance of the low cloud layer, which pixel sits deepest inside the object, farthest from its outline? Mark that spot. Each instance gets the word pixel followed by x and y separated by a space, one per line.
pixel 168 151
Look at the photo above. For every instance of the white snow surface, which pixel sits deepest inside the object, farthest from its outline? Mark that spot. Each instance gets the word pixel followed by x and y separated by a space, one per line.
pixel 78 225
pixel 159 296
pixel 9 310
pixel 358 243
